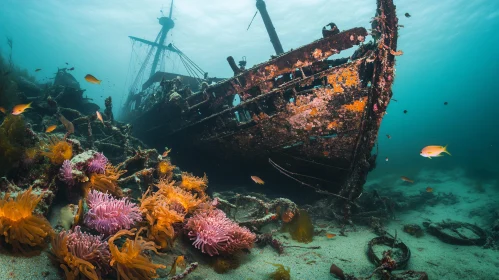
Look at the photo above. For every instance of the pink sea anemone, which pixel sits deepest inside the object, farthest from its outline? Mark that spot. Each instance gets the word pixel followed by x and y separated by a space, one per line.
pixel 66 173
pixel 108 215
pixel 83 253
pixel 97 164
pixel 213 233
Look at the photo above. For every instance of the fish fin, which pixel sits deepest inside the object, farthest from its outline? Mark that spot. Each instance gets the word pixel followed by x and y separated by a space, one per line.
pixel 29 105
pixel 98 81
pixel 445 150
pixel 429 157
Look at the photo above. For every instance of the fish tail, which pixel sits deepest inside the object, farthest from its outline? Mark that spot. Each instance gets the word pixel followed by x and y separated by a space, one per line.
pixel 98 81
pixel 445 150
pixel 29 105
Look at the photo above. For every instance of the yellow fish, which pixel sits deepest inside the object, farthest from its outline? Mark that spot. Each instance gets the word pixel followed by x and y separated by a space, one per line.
pixel 434 151
pixel 91 79
pixel 405 179
pixel 50 128
pixel 2 109
pixel 99 116
pixel 428 189
pixel 19 109
pixel 257 180
pixel 179 261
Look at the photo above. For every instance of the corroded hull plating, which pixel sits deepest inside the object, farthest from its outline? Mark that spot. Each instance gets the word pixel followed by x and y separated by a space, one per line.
pixel 295 105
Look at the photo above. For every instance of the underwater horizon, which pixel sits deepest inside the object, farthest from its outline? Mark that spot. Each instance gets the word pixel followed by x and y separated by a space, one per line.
pixel 302 167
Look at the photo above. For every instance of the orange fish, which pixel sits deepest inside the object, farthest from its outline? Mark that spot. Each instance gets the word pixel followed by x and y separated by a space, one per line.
pixel 2 109
pixel 99 117
pixel 19 109
pixel 179 261
pixel 405 179
pixel 165 154
pixel 434 151
pixel 330 235
pixel 257 180
pixel 50 128
pixel 91 79
pixel 428 189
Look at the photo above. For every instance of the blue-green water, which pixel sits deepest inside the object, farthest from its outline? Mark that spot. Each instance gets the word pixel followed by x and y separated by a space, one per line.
pixel 451 54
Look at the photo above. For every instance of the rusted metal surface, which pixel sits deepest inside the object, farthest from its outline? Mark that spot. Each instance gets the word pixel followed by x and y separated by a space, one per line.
pixel 299 103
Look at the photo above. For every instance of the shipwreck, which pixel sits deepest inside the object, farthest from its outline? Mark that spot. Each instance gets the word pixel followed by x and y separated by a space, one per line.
pixel 305 113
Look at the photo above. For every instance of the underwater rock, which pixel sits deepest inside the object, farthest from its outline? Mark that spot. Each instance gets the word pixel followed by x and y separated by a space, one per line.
pixel 338 272
pixel 414 230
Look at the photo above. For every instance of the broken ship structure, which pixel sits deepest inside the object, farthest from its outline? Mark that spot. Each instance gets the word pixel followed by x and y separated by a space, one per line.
pixel 312 117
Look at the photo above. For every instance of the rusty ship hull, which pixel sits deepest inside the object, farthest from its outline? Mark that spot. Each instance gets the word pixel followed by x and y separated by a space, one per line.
pixel 296 110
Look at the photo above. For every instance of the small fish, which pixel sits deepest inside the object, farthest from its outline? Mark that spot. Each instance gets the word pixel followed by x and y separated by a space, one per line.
pixel 405 111
pixel 165 154
pixel 394 99
pixel 445 103
pixel 38 70
pixel 2 109
pixel 50 128
pixel 66 63
pixel 71 69
pixel 396 53
pixel 91 79
pixel 386 159
pixel 428 189
pixel 405 179
pixel 257 180
pixel 99 117
pixel 330 235
pixel 388 136
pixel 179 261
pixel 434 151
pixel 407 15
pixel 19 109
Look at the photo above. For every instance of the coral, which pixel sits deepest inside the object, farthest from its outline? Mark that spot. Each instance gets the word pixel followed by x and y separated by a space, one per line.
pixel 213 233
pixel 107 182
pixel 165 168
pixel 83 253
pixel 280 273
pixel 66 173
pixel 108 215
pixel 175 195
pixel 193 183
pixel 12 138
pixel 97 164
pixel 130 262
pixel 357 105
pixel 18 224
pixel 301 227
pixel 343 78
pixel 58 150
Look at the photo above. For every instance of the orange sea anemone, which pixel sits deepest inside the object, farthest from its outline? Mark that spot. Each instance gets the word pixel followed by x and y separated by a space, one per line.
pixel 160 216
pixel 193 183
pixel 130 262
pixel 19 225
pixel 58 150
pixel 177 196
pixel 107 182
pixel 165 168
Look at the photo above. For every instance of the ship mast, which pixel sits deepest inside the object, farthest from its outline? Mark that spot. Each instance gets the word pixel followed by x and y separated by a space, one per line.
pixel 262 8
pixel 167 24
